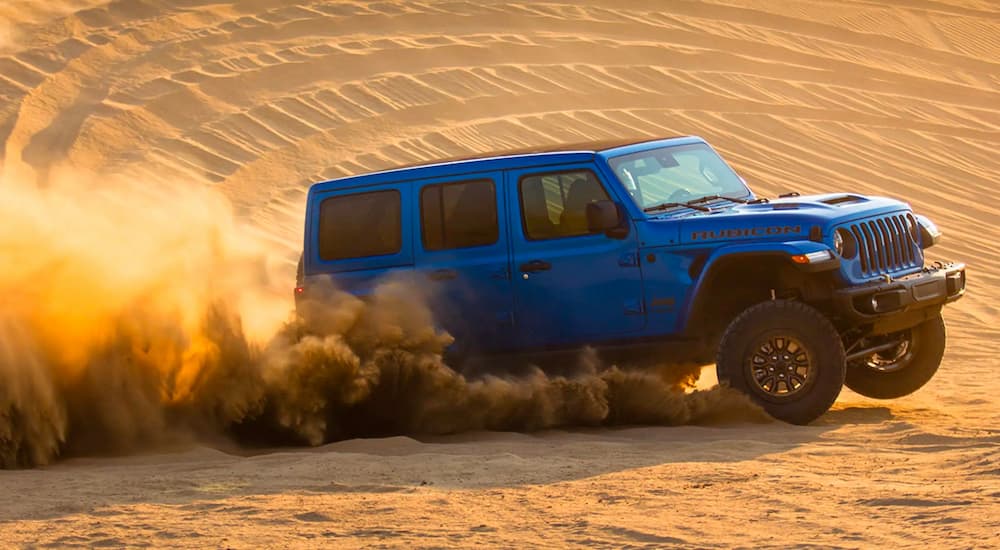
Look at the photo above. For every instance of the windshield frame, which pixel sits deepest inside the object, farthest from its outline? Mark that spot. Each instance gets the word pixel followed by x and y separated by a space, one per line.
pixel 727 176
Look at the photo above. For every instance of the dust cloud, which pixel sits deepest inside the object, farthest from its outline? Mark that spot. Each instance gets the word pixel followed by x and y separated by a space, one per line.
pixel 136 315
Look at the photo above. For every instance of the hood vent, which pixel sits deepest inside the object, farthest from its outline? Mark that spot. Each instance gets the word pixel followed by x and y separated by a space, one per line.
pixel 843 199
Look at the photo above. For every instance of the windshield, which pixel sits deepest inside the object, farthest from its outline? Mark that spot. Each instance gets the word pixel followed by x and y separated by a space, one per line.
pixel 676 175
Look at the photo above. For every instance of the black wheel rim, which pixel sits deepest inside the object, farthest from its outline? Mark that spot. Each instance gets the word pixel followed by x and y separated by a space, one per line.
pixel 779 366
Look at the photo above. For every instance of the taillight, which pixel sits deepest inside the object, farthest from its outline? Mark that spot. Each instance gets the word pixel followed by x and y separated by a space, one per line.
pixel 300 290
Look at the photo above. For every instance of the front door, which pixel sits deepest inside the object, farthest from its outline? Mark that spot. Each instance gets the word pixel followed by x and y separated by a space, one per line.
pixel 462 251
pixel 571 286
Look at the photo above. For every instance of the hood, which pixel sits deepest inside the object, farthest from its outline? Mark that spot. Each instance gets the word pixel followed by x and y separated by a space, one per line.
pixel 788 218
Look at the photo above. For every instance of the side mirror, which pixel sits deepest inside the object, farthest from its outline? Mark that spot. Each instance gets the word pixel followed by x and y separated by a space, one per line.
pixel 607 217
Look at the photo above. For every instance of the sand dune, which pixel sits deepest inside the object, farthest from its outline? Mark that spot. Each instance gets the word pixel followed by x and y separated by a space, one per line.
pixel 260 98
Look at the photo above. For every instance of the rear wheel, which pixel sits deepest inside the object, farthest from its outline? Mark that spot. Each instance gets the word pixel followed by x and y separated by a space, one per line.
pixel 786 356
pixel 903 368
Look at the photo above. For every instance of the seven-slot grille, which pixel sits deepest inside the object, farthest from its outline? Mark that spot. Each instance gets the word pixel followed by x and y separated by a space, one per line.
pixel 886 244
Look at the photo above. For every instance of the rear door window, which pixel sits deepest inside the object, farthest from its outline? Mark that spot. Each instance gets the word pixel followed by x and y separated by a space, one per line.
pixel 360 225
pixel 459 215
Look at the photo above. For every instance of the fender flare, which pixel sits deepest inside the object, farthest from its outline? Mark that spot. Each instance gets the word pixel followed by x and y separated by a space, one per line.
pixel 728 253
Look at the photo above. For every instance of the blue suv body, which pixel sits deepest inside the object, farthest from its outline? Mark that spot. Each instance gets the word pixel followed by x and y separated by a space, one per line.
pixel 654 249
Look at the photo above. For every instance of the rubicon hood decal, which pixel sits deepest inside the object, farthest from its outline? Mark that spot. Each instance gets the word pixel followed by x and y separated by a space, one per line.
pixel 746 232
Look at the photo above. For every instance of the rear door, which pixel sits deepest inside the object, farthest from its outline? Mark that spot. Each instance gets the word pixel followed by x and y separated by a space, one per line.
pixel 462 250
pixel 570 286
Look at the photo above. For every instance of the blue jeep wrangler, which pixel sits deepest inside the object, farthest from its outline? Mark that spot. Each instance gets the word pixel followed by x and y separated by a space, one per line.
pixel 653 250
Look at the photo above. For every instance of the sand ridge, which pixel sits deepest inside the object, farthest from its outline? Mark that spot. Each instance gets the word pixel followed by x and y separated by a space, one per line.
pixel 258 99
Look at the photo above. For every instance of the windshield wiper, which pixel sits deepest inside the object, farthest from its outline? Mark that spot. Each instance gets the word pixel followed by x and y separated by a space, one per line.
pixel 665 205
pixel 715 197
pixel 694 203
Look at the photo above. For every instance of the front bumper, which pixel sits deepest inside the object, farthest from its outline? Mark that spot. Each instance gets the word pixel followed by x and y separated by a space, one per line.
pixel 900 301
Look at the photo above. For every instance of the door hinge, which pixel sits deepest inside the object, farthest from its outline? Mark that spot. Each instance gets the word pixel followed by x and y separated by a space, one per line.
pixel 633 307
pixel 502 274
pixel 629 259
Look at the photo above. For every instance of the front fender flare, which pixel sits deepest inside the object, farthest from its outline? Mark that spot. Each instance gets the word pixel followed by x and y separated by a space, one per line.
pixel 784 250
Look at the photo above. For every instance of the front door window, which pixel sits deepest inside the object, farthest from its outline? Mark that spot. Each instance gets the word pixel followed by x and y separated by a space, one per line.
pixel 554 206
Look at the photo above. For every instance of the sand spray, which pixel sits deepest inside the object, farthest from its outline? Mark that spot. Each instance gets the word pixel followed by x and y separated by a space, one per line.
pixel 137 315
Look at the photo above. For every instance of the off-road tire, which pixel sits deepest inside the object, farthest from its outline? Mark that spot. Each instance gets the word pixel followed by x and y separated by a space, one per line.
pixel 920 363
pixel 811 330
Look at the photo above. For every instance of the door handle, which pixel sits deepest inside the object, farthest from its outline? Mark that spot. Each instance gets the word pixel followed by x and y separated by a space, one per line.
pixel 442 275
pixel 535 266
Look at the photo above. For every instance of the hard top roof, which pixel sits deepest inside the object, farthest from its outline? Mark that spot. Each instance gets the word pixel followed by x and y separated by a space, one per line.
pixel 495 160
pixel 582 146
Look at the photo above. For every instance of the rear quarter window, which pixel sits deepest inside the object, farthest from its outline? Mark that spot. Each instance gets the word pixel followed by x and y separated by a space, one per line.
pixel 360 225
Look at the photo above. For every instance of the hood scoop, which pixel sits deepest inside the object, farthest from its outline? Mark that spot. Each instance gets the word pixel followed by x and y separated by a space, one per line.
pixel 829 201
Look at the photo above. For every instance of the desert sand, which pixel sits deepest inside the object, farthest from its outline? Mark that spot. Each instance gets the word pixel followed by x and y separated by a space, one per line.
pixel 253 100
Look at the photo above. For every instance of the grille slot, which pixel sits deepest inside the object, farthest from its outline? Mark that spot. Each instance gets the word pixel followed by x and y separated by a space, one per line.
pixel 885 245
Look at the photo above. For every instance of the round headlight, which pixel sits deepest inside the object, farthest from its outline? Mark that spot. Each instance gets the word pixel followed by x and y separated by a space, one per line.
pixel 844 243
pixel 929 232
pixel 838 243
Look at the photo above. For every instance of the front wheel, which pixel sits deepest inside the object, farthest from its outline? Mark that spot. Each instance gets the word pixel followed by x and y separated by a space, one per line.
pixel 786 356
pixel 904 368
